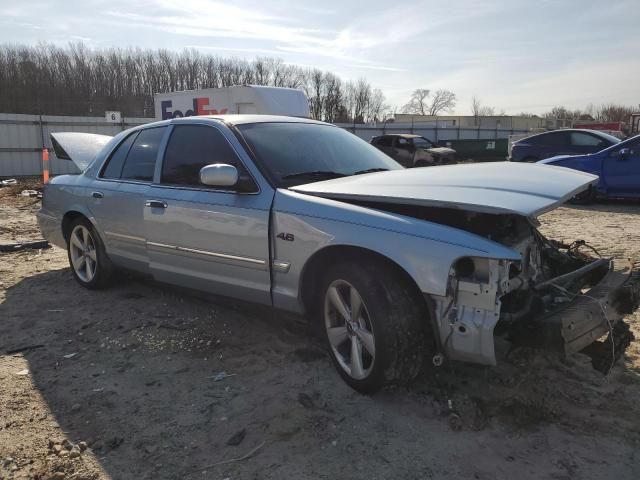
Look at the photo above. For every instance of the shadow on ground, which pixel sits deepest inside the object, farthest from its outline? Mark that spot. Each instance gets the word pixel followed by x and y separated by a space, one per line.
pixel 139 386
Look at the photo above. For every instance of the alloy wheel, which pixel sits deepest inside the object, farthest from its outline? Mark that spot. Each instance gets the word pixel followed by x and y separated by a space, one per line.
pixel 83 254
pixel 349 329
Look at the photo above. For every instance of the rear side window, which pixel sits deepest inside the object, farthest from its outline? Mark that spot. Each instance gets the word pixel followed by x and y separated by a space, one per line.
pixel 550 139
pixel 384 141
pixel 114 165
pixel 585 140
pixel 141 160
pixel 192 147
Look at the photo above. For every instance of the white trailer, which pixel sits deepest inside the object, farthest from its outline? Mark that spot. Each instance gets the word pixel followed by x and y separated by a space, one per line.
pixel 251 99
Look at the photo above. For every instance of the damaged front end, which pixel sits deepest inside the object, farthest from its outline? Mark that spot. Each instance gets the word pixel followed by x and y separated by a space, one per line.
pixel 558 297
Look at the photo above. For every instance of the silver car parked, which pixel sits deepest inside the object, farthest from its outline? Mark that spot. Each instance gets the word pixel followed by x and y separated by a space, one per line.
pixel 397 265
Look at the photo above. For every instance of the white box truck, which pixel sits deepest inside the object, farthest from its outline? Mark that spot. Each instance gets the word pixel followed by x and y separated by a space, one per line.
pixel 250 99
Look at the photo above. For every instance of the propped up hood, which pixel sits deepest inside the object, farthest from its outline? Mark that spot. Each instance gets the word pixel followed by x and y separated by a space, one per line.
pixel 497 187
pixel 80 148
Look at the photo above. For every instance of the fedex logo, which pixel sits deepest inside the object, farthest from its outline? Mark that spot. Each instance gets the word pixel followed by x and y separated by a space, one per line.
pixel 200 107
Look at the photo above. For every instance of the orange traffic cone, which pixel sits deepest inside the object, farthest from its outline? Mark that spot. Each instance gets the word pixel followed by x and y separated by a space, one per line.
pixel 45 166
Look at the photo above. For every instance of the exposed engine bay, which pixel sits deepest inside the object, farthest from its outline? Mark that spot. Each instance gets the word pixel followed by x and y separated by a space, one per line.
pixel 562 297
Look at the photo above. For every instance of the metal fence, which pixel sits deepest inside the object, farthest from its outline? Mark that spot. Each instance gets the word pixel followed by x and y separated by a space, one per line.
pixel 22 137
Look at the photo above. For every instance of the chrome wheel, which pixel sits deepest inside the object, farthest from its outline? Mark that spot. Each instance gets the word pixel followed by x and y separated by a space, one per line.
pixel 82 252
pixel 349 329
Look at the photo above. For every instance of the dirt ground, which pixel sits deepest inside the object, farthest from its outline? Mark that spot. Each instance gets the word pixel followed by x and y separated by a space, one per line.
pixel 135 373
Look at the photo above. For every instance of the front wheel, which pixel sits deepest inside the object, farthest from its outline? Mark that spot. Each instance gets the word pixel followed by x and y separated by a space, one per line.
pixel 374 325
pixel 89 262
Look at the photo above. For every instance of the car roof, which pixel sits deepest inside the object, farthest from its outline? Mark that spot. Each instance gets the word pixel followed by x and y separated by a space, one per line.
pixel 403 135
pixel 230 119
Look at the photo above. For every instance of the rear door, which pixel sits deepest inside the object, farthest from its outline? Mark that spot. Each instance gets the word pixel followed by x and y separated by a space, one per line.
pixel 118 194
pixel 554 143
pixel 403 151
pixel 622 173
pixel 212 239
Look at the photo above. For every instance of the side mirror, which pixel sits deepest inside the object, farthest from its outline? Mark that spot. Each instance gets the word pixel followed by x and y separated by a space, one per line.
pixel 624 153
pixel 219 175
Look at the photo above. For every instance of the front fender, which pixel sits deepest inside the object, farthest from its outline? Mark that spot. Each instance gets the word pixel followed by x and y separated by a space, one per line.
pixel 423 249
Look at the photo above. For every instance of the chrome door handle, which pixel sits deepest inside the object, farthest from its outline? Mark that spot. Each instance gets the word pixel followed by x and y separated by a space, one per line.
pixel 97 195
pixel 156 204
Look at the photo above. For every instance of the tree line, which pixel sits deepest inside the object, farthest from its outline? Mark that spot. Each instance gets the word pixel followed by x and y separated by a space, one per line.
pixel 76 80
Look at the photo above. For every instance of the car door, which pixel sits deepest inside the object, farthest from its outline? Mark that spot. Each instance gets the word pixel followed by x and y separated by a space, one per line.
pixel 621 172
pixel 554 143
pixel 212 239
pixel 118 194
pixel 403 151
pixel 385 144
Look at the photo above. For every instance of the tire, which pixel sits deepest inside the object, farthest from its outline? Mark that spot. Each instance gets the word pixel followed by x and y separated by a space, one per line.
pixel 88 260
pixel 585 198
pixel 389 335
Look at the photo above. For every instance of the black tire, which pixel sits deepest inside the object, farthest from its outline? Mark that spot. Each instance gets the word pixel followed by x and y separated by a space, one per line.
pixel 585 198
pixel 103 271
pixel 396 315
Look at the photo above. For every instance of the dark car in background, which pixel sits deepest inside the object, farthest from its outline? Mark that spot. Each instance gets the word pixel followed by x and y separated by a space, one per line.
pixel 571 141
pixel 413 150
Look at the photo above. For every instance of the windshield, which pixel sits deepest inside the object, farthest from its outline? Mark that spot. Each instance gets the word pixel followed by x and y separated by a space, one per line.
pixel 299 153
pixel 422 142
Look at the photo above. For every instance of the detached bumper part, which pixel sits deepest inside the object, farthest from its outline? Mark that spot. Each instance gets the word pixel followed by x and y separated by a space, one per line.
pixel 580 322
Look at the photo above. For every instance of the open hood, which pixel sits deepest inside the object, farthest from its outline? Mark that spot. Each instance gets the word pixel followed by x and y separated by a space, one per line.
pixel 499 187
pixel 80 148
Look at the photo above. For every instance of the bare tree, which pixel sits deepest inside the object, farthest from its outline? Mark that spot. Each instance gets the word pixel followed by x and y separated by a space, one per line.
pixel 418 103
pixel 479 110
pixel 443 101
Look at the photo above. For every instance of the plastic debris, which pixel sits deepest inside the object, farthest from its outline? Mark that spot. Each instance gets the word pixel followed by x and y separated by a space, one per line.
pixel 221 376
pixel 70 355
pixel 8 182
pixel 23 373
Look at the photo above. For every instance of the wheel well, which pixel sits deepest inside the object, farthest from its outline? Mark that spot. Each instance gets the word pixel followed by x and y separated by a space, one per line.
pixel 312 271
pixel 68 220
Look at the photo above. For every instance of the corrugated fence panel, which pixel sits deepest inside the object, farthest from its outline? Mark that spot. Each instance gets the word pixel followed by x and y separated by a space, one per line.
pixel 22 136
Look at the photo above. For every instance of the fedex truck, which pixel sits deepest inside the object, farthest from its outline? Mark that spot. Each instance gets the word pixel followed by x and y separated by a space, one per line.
pixel 250 99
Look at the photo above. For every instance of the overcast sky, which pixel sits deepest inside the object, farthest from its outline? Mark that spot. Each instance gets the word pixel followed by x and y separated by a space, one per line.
pixel 516 55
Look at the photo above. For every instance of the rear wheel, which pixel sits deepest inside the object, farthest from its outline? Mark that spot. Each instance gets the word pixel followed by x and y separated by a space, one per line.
pixel 88 260
pixel 374 325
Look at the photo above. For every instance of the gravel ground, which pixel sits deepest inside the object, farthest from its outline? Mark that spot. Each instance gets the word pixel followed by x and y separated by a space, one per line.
pixel 134 372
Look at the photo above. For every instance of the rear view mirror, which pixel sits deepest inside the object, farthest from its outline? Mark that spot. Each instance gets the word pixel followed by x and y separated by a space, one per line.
pixel 219 175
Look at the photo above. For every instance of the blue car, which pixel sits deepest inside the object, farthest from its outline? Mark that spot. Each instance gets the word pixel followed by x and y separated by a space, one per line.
pixel 617 166
pixel 570 141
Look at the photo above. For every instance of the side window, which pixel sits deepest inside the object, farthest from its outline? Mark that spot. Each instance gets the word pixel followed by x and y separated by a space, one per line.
pixel 113 168
pixel 403 143
pixel 141 161
pixel 192 147
pixel 384 141
pixel 553 139
pixel 579 139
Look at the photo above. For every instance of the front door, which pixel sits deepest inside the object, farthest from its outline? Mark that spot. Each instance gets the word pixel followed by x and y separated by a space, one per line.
pixel 212 239
pixel 622 172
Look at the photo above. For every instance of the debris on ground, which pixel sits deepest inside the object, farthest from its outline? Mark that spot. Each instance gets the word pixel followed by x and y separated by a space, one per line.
pixel 16 247
pixel 221 376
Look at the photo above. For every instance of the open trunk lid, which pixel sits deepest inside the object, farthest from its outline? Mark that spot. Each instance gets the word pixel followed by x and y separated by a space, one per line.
pixel 497 187
pixel 80 148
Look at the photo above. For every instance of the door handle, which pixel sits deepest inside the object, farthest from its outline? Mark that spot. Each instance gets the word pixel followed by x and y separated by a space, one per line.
pixel 97 195
pixel 156 204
